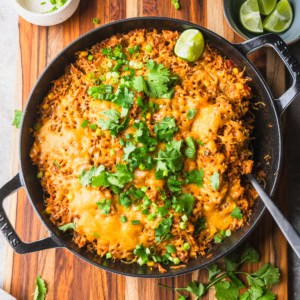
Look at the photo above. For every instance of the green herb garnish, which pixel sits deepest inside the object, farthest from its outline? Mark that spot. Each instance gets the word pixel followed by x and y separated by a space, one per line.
pixel 227 281
pixel 104 206
pixel 113 122
pixel 18 115
pixel 236 213
pixel 40 289
pixel 165 129
pixel 196 177
pixel 190 151
pixel 191 113
pixel 68 226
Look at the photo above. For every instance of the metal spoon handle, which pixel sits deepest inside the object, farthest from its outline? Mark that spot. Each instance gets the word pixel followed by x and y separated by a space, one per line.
pixel 287 229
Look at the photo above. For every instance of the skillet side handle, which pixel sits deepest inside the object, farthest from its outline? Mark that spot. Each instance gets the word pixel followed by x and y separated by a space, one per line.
pixel 293 66
pixel 5 226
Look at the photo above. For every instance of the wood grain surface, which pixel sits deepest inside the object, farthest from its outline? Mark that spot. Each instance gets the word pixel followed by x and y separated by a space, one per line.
pixel 66 275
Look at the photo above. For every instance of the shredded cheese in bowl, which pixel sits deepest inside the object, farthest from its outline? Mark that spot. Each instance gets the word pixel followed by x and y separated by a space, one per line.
pixel 141 153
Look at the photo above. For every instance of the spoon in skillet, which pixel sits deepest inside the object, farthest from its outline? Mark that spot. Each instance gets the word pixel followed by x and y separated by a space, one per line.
pixel 286 228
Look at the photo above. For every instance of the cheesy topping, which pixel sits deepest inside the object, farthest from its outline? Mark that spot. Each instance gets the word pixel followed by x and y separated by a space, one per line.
pixel 138 149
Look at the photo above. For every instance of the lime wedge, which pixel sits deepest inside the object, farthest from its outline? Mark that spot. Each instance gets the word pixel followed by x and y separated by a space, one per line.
pixel 190 45
pixel 280 19
pixel 250 16
pixel 266 6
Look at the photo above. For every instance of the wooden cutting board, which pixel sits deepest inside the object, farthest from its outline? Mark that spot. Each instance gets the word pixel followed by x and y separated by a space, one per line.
pixel 67 276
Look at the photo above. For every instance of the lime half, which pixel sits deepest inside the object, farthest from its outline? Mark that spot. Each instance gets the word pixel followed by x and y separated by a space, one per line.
pixel 266 6
pixel 280 19
pixel 250 16
pixel 190 45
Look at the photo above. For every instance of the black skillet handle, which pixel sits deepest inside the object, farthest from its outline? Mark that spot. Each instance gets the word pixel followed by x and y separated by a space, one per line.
pixel 20 247
pixel 293 66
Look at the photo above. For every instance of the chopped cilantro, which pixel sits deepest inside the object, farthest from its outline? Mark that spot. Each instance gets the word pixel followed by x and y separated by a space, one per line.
pixel 215 181
pixel 196 177
pixel 171 249
pixel 163 231
pixel 185 203
pixel 191 113
pixel 18 115
pixel 142 134
pixel 84 124
pixel 97 177
pixel 169 160
pixel 123 97
pixel 131 195
pixel 68 226
pixel 236 213
pixel 190 151
pixel 112 122
pixel 104 206
pixel 165 129
pixel 158 83
pixel 174 185
pixel 40 289
pixel 85 177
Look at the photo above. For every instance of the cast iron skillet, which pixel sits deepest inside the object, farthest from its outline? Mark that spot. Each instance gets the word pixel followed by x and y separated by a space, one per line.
pixel 268 139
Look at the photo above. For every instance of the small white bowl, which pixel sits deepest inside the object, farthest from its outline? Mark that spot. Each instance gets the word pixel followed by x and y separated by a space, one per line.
pixel 34 12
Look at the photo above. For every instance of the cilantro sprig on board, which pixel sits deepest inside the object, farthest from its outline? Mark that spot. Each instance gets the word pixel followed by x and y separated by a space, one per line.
pixel 231 284
pixel 40 289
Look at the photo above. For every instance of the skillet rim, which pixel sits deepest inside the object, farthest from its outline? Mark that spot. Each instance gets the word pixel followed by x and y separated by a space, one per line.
pixel 60 241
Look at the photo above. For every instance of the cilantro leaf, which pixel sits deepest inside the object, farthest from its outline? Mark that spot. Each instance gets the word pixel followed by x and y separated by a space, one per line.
pixel 128 149
pixel 165 129
pixel 123 97
pixel 199 224
pixel 231 262
pixel 139 84
pixel 215 181
pixel 85 177
pixel 18 115
pixel 190 150
pixel 236 282
pixel 174 185
pixel 160 82
pixel 143 135
pixel 268 273
pixel 186 202
pixel 112 122
pixel 191 113
pixel 104 206
pixel 196 177
pixel 197 289
pixel 121 177
pixel 226 291
pixel 255 292
pixel 163 231
pixel 169 160
pixel 131 195
pixel 267 296
pixel 40 289
pixel 236 213
pixel 255 281
pixel 68 226
pixel 213 271
pixel 249 255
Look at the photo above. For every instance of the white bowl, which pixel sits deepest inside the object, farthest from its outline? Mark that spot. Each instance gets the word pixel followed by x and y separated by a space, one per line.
pixel 33 12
